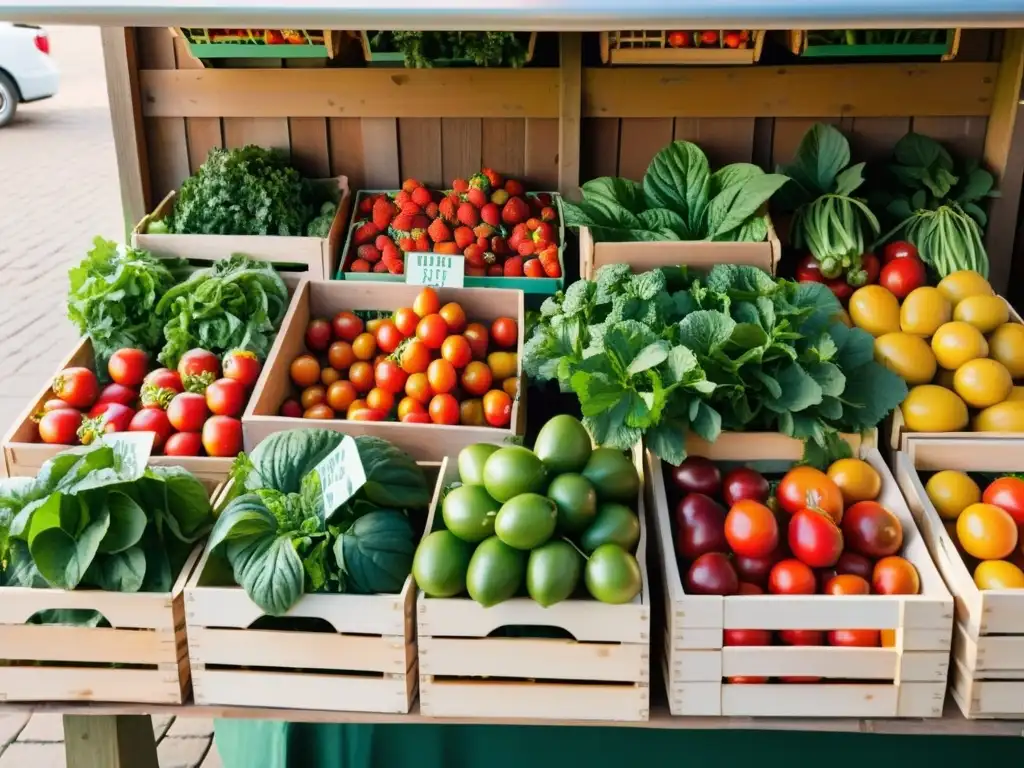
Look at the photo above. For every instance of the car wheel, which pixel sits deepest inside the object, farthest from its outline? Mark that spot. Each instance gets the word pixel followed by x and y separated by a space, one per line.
pixel 8 100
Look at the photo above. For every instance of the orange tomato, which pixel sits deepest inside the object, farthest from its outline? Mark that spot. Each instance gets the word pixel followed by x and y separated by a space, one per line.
pixel 505 332
pixel 341 394
pixel 365 346
pixel 432 331
pixel 511 387
pixel 388 336
pixel 479 339
pixel 804 487
pixel 847 584
pixel 328 376
pixel 455 316
pixel 471 413
pixel 355 405
pixel 444 409
pixel 408 405
pixel 441 375
pixel 477 378
pixel 373 325
pixel 986 532
pixel 895 576
pixel 380 398
pixel 340 355
pixel 405 321
pixel 426 302
pixel 305 371
pixel 319 411
pixel 417 386
pixel 497 408
pixel 417 418
pixel 415 357
pixel 456 350
pixel 313 396
pixel 361 376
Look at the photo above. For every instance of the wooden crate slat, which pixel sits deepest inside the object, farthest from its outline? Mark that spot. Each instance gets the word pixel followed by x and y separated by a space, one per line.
pixel 536 701
pixel 844 663
pixel 832 700
pixel 144 686
pixel 246 688
pixel 87 644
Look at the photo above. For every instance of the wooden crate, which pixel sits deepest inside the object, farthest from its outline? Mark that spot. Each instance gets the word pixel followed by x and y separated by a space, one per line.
pixel 312 257
pixel 988 640
pixel 397 58
pixel 146 638
pixel 200 43
pixel 699 254
pixel 650 46
pixel 366 664
pixel 905 680
pixel 602 674
pixel 944 50
pixel 325 299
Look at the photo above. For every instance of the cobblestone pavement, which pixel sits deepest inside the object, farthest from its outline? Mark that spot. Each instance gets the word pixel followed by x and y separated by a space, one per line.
pixel 58 190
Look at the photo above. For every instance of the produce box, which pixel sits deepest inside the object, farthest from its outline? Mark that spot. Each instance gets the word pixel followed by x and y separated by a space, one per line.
pixel 698 254
pixel 906 44
pixel 659 47
pixel 324 300
pixel 988 638
pixel 905 677
pixel 345 652
pixel 206 43
pixel 602 673
pixel 395 58
pixel 312 257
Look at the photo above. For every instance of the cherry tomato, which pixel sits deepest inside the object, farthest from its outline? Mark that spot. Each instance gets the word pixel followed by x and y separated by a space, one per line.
pixel 746 588
pixel 505 332
pixel 187 412
pixel 222 436
pixel 361 376
pixel 747 637
pixel 679 39
pixel 871 530
pixel 340 355
pixel 291 409
pixel 841 289
pixel 388 336
pixel 751 529
pixel 901 276
pixel 801 636
pixel 196 362
pixel 312 396
pixel 854 638
pixel 815 539
pixel 895 576
pixel 409 405
pixel 346 326
pixel 305 371
pixel 791 577
pixel 899 249
pixel 454 316
pixel 471 413
pixel 426 303
pixel 318 335
pixel 417 386
pixel 857 565
pixel 380 399
pixel 697 474
pixel 226 397
pixel 184 444
pixel 441 375
pixel 479 339
pixel 112 393
pixel 497 408
pixel 477 378
pixel 808 270
pixel 103 420
pixel 329 375
pixel 872 266
pixel 340 395
pixel 847 584
pixel 373 325
pixel 357 405
pixel 417 418
pixel 365 346
pixel 1007 493
pixel 456 350
pixel 369 414
pixel 406 320
pixel 320 411
pixel 987 532
pixel 78 387
pixel 432 331
pixel 60 426
pixel 415 357
pixel 388 375
pixel 444 409
pixel 128 367
pixel 744 483
pixel 152 420
pixel 810 488
pixel 160 386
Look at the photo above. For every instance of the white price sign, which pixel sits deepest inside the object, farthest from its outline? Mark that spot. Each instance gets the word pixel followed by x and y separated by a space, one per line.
pixel 435 269
pixel 341 475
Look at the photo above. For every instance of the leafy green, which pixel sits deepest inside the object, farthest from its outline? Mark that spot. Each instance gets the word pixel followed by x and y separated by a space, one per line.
pixel 485 49
pixel 376 552
pixel 236 303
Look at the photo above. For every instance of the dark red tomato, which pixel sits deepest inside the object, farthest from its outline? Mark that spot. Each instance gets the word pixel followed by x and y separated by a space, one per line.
pixel 78 387
pixel 841 289
pixel 899 249
pixel 810 488
pixel 801 636
pixel 744 483
pixel 226 397
pixel 870 264
pixel 857 565
pixel 791 577
pixel 746 680
pixel 747 637
pixel 291 409
pixel 222 436
pixel 756 569
pixel 184 444
pixel 847 584
pixel 700 522
pixel 152 420
pixel 118 393
pixel 187 412
pixel 242 366
pixel 697 475
pixel 346 326
pixel 872 530
pixel 390 377
pixel 318 335
pixel 808 270
pixel 750 529
pixel 814 539
pixel 505 332
pixel 712 574
pixel 1007 493
pixel 901 276
pixel 855 638
pixel 196 362
pixel 128 367
pixel 60 426
pixel 746 588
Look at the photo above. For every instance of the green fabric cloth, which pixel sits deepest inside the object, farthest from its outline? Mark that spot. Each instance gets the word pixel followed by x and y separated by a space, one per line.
pixel 256 744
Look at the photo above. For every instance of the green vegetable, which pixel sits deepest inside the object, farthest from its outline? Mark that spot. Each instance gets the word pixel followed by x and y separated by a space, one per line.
pixel 113 297
pixel 485 49
pixel 376 552
pixel 236 303
pixel 321 225
pixel 679 199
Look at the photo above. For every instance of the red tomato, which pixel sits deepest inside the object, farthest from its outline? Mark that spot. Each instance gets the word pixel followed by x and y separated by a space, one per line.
pixel 226 397
pixel 852 563
pixel 810 488
pixel 409 405
pixel 60 426
pixel 78 387
pixel 756 569
pixel 477 378
pixel 895 576
pixel 1007 493
pixel 871 265
pixel 369 414
pixel 222 436
pixel 152 420
pixel 379 399
pixel 116 393
pixel 712 574
pixel 414 357
pixel 791 577
pixel 747 637
pixel 454 316
pixel 901 276
pixel 801 636
pixel 103 420
pixel 417 418
pixel 388 337
pixel 841 289
pixel 389 376
pixel 751 529
pixel 497 408
pixel 744 483
pixel 899 249
pixel 505 332
pixel 746 680
pixel 406 320
pixel 318 335
pixel 196 362
pixel 871 530
pixel 443 409
pixel 160 387
pixel 847 584
pixel 128 367
pixel 432 331
pixel 187 412
pixel 291 409
pixel 456 350
pixel 242 366
pixel 815 539
pixel 808 270
pixel 855 638
pixel 479 339
pixel 346 326
pixel 746 588
pixel 184 444
pixel 679 39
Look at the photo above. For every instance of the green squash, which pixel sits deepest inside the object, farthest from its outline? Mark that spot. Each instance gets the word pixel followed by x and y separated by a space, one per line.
pixel 376 552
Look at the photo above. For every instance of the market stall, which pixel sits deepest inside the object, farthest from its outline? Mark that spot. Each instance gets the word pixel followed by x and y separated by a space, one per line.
pixel 728 139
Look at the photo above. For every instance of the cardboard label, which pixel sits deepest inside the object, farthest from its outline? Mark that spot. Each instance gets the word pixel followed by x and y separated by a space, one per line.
pixel 435 269
pixel 341 475
pixel 132 450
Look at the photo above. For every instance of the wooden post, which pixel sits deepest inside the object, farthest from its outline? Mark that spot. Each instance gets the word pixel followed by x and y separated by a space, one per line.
pixel 570 88
pixel 119 58
pixel 109 741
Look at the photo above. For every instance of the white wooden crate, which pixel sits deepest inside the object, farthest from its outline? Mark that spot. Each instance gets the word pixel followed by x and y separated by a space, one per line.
pixel 367 664
pixel 602 674
pixel 146 638
pixel 907 679
pixel 987 674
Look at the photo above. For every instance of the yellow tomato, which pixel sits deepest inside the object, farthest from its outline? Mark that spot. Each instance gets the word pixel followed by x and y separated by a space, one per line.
pixel 471 413
pixel 929 408
pixel 951 492
pixel 986 313
pixel 959 285
pixel 957 342
pixel 857 480
pixel 511 387
pixel 875 310
pixel 982 382
pixel 908 356
pixel 998 574
pixel 503 364
pixel 986 532
pixel 1017 393
pixel 924 310
pixel 1006 344
pixel 1007 416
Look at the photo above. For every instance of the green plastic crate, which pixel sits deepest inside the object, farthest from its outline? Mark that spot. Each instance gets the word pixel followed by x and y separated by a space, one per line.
pixel 253 47
pixel 945 49
pixel 538 286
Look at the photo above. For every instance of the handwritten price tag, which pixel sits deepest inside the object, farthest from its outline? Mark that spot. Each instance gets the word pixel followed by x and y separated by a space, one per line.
pixel 341 475
pixel 435 269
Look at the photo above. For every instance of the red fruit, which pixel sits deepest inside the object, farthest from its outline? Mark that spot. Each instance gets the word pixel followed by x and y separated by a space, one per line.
pixel 366 205
pixel 402 222
pixel 187 412
pixel 402 197
pixel 449 248
pixel 815 539
pixel 291 409
pixel 526 248
pixel 368 253
pixel 383 241
pixel 474 255
pixel 411 208
pixel 801 636
pixel 460 186
pixel 744 483
pixel 390 251
pixel 857 565
pixel 448 209
pixel 872 530
pixel 872 266
pixel 678 38
pixel 468 215
pixel 491 214
pixel 380 267
pixel 77 387
pixel 410 185
pixel 60 426
pixel 222 436
pixel 431 209
pixel 542 199
pixel 901 276
pixel 697 475
pixel 855 638
pixel 532 224
pixel 103 420
pixel 472 271
pixel 196 362
pixel 548 213
pixel 709 37
pixel 185 443
pixel 112 393
pixel 519 233
pixel 484 231
pixel 899 249
pixel 751 529
pixel 421 241
pixel 160 387
pixel 747 637
pixel 1007 493
pixel 365 233
pixel 483 242
pixel 128 367
pixel 513 267
pixel 406 244
pixel 396 267
pixel 421 196
pixel 498 245
pixel 439 231
pixel 152 420
pixel 514 188
pixel 477 197
pixel 493 177
pixel 533 268
pixel 359 266
pixel 515 211
pixel 464 236
pixel 791 577
pixel 549 260
pixel 756 569
pixel 700 522
pixel 243 367
pixel 712 574
pixel 495 270
pixel 543 233
pixel 318 337
pixel 383 212
pixel 226 397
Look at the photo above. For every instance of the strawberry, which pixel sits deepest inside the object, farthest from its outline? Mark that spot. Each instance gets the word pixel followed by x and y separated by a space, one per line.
pixel 366 232
pixel 407 244
pixel 464 236
pixel 360 266
pixel 431 210
pixel 514 188
pixel 383 212
pixel 543 199
pixel 422 241
pixel 477 197
pixel 549 260
pixel 532 224
pixel 410 208
pixel 396 267
pixel 475 271
pixel 544 233
pixel 519 234
pixel 514 266
pixel 493 177
pixel 515 211
pixel 479 181
pixel 401 198
pixel 499 197
pixel 390 251
pixel 368 253
pixel 410 185
pixel 420 221
pixel 548 213
pixel 448 209
pixel 484 242
pixel 474 255
pixel 381 241
pixel 439 231
pixel 533 268
pixel 447 247
pixel 491 214
pixel 380 266
pixel 495 270
pixel 468 215
pixel 483 230
pixel 526 248
pixel 366 205
pixel 421 196
pixel 460 186
pixel 498 245
pixel 402 223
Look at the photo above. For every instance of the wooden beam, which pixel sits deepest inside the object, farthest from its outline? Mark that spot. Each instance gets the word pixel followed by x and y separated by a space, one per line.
pixel 110 741
pixel 350 93
pixel 853 90
pixel 570 97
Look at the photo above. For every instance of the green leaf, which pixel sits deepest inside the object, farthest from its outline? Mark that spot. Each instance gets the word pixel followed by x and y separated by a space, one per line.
pixel 738 203
pixel 624 193
pixel 976 186
pixel 666 222
pixel 667 441
pixel 769 383
pixel 918 151
pixel 681 363
pixel 741 282
pixel 649 357
pixel 828 376
pixel 64 556
pixel 735 173
pixel 596 392
pixel 849 180
pixel 678 179
pixel 127 523
pixel 799 390
pixel 822 154
pixel 707 422
pixel 121 572
pixel 748 336
pixel 706 331
pixel 246 517
pixel 270 571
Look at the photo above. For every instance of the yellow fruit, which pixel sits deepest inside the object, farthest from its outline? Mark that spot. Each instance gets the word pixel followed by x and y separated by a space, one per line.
pixel 986 313
pixel 924 310
pixel 986 532
pixel 959 285
pixel 908 356
pixel 944 378
pixel 951 492
pixel 929 408
pixel 1006 344
pixel 956 343
pixel 1017 393
pixel 998 574
pixel 503 364
pixel 982 382
pixel 857 480
pixel 1007 416
pixel 875 309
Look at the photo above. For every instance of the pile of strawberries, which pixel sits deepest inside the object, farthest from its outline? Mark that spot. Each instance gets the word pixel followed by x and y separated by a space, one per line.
pixel 502 231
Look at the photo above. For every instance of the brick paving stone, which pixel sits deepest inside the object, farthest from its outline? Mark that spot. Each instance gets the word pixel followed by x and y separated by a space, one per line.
pixel 10 726
pixel 160 725
pixel 180 752
pixel 20 755
pixel 191 726
pixel 43 727
pixel 212 758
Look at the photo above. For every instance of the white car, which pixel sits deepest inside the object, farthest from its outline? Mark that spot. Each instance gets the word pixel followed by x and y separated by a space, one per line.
pixel 27 72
